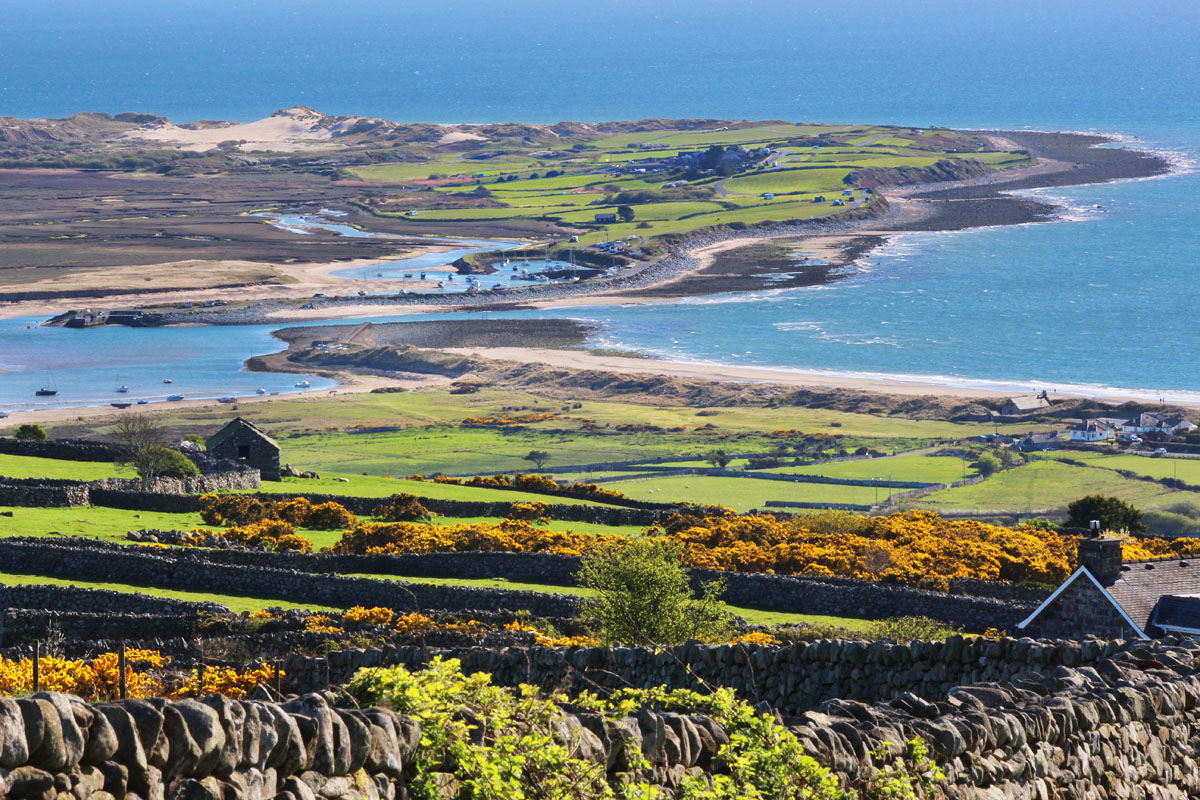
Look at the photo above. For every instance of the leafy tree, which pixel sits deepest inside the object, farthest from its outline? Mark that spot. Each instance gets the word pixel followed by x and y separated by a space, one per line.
pixel 29 432
pixel 1113 514
pixel 538 457
pixel 644 596
pixel 988 465
pixel 625 213
pixel 163 462
pixel 719 458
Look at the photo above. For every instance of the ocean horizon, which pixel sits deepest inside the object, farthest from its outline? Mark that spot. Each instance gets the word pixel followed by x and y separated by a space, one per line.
pixel 1104 296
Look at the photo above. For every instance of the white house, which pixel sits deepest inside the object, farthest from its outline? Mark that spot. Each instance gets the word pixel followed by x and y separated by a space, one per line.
pixel 1091 430
pixel 1152 423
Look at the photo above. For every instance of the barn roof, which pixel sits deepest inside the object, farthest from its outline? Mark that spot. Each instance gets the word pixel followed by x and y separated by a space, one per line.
pixel 234 427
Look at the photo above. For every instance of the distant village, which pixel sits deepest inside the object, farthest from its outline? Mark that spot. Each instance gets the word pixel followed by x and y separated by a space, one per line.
pixel 1161 433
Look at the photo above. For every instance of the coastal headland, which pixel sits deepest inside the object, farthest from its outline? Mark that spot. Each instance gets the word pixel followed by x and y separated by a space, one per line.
pixel 318 230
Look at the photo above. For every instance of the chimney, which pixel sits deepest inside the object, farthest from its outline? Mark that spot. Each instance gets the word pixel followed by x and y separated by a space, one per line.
pixel 1102 557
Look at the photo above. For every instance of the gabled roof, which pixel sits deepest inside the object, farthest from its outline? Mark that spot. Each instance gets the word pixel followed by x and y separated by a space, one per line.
pixel 1142 583
pixel 1082 574
pixel 1029 402
pixel 1091 425
pixel 235 426
pixel 1144 420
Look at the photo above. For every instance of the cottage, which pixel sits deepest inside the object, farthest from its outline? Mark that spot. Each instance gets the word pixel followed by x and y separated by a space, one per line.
pixel 1152 423
pixel 604 219
pixel 1091 430
pixel 243 441
pixel 1112 598
pixel 1036 443
pixel 1027 404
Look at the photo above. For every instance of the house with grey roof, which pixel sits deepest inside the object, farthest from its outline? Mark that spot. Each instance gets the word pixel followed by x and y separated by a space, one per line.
pixel 1027 404
pixel 1091 430
pixel 1112 598
pixel 1153 423
pixel 243 441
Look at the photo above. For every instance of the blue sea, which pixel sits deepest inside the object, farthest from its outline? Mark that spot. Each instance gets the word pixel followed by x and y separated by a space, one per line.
pixel 1105 297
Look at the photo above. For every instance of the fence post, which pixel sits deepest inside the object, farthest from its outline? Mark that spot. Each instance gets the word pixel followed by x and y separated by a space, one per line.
pixel 37 658
pixel 121 667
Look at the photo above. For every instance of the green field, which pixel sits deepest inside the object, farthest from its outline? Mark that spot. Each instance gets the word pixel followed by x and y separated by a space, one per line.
pixel 32 467
pixel 1048 485
pixel 922 468
pixel 236 603
pixel 1185 469
pixel 507 182
pixel 742 494
pixel 93 522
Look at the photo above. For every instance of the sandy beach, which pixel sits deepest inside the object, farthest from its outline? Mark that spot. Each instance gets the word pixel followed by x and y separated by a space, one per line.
pixel 883 384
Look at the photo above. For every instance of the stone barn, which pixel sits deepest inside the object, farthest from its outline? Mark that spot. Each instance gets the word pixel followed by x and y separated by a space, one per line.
pixel 245 442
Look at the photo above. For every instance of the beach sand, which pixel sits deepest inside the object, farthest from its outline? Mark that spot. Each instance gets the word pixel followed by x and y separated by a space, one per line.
pixel 883 384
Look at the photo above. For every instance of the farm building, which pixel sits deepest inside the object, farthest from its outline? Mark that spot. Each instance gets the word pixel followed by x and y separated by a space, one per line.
pixel 606 218
pixel 1112 598
pixel 244 441
pixel 1027 404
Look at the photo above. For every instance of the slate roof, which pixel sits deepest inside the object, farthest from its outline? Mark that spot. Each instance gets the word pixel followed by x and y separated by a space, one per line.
pixel 1177 611
pixel 235 425
pixel 1142 583
pixel 1028 402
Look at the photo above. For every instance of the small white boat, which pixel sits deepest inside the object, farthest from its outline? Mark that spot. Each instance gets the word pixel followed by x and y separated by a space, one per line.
pixel 143 402
pixel 174 398
pixel 525 263
pixel 504 263
pixel 168 380
pixel 230 399
pixel 408 274
pixel 3 414
pixel 303 384
pixel 441 284
pixel 122 389
pixel 260 390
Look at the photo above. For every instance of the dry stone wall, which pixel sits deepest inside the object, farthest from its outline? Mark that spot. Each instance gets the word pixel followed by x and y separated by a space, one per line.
pixel 47 493
pixel 974 605
pixel 187 569
pixel 1122 726
pixel 791 678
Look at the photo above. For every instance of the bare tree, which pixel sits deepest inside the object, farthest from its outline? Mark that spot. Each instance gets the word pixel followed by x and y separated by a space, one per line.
pixel 140 441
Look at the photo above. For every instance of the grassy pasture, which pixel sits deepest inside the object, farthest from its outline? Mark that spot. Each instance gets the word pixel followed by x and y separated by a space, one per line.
pixel 927 469
pixel 33 467
pixel 1047 485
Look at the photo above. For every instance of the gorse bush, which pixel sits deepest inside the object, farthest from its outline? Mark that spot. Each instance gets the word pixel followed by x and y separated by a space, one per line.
pixel 511 743
pixel 240 509
pixel 508 536
pixel 275 535
pixel 402 508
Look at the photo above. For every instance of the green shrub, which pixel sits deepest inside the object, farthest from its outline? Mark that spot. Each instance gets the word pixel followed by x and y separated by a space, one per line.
pixel 30 432
pixel 501 743
pixel 644 596
pixel 910 629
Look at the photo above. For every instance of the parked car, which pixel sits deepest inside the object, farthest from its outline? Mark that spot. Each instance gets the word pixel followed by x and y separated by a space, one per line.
pixel 1162 451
